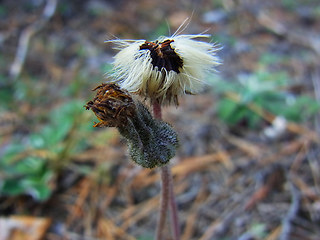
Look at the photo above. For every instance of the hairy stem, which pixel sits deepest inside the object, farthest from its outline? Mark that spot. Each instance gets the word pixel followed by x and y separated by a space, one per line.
pixel 174 210
pixel 163 202
pixel 167 195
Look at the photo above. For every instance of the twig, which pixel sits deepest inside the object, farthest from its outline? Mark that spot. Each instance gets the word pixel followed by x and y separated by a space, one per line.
pixel 140 212
pixel 292 214
pixel 190 222
pixel 27 34
pixel 274 234
pixel 274 178
pixel 316 86
pixel 301 38
pixel 219 225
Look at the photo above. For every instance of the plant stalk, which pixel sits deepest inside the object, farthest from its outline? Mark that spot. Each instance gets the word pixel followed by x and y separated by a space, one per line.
pixel 167 195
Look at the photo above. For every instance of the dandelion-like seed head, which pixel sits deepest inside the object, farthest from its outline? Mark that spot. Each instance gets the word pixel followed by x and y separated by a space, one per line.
pixel 164 69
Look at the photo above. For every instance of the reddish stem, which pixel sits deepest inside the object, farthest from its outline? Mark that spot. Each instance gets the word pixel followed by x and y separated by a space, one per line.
pixel 163 202
pixel 174 209
pixel 167 195
pixel 157 113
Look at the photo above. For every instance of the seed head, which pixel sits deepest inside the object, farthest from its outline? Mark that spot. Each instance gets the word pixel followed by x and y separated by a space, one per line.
pixel 164 69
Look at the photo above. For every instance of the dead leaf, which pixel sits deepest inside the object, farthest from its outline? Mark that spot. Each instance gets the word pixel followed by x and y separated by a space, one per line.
pixel 23 228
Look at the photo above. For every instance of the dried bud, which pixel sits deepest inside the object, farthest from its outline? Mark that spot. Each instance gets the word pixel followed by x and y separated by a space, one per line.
pixel 111 105
pixel 151 142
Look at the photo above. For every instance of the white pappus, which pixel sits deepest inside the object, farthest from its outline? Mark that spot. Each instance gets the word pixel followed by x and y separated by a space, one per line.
pixel 166 68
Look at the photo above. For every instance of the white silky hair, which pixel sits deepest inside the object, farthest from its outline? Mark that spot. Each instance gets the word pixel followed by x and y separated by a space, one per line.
pixel 133 69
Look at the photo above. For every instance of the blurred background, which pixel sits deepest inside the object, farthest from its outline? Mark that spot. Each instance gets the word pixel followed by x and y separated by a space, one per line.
pixel 248 162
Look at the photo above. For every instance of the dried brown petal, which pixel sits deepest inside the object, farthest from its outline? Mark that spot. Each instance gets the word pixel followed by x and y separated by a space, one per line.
pixel 111 105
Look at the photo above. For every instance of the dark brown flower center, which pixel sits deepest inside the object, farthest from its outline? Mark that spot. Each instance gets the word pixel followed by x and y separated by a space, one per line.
pixel 163 55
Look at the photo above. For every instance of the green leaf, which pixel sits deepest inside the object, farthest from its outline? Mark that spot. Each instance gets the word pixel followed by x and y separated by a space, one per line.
pixel 10 152
pixel 145 238
pixel 37 141
pixel 30 165
pixel 263 89
pixel 302 109
pixel 226 108
pixel 258 230
pixel 53 134
pixel 62 119
pixel 40 192
pixel 26 176
pixel 241 114
pixel 11 187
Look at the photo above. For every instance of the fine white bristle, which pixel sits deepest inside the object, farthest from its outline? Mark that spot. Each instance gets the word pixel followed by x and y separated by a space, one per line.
pixel 134 71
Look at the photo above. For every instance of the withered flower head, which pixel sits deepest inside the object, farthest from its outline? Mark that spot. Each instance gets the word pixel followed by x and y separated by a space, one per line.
pixel 151 142
pixel 166 68
pixel 111 105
